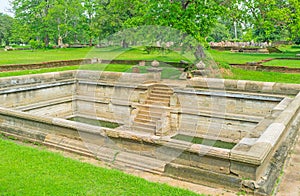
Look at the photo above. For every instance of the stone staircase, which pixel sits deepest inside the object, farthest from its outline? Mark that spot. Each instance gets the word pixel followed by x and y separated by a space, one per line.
pixel 153 109
pixel 159 95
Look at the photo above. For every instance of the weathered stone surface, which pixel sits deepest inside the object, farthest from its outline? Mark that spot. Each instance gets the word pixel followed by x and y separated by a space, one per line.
pixel 197 175
pixel 260 124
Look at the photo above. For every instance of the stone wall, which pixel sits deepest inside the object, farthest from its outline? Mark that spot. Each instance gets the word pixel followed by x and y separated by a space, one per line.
pixel 245 86
pixel 222 115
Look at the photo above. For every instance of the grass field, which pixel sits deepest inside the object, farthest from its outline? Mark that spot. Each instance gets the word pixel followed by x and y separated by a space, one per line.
pixel 31 171
pixel 28 56
pixel 226 57
pixel 286 63
pixel 167 72
pixel 223 58
pixel 241 58
pixel 240 74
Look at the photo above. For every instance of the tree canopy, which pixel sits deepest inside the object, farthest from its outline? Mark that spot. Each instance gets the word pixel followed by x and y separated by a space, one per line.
pixel 90 21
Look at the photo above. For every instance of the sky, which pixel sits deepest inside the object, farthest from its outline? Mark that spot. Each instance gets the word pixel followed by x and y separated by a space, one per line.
pixel 4 6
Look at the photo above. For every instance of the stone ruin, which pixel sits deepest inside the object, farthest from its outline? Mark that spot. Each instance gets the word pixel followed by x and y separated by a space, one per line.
pixel 222 133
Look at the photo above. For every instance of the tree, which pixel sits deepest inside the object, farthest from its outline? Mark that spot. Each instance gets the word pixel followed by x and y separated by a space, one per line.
pixel 220 33
pixel 6 24
pixel 33 13
pixel 195 18
pixel 268 18
pixel 65 18
pixel 295 20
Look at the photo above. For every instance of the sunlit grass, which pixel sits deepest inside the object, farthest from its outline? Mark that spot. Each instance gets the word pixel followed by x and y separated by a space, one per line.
pixel 240 74
pixel 37 56
pixel 241 58
pixel 30 171
pixel 286 63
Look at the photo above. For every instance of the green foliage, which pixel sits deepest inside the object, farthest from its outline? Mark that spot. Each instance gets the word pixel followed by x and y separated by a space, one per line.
pixel 220 33
pixel 90 21
pixel 6 25
pixel 30 171
pixel 36 44
pixel 195 18
pixel 296 46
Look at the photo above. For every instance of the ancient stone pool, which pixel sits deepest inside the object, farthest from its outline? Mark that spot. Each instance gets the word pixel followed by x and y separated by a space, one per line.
pixel 215 132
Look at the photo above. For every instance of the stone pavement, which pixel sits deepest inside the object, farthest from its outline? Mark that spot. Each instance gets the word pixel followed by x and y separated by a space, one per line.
pixel 290 182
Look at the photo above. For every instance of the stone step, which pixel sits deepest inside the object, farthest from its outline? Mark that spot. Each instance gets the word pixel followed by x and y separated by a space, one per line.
pixel 155 102
pixel 154 94
pixel 140 162
pixel 143 129
pixel 148 117
pixel 160 91
pixel 152 109
pixel 162 87
pixel 152 112
pixel 159 99
pixel 112 156
pixel 145 125
pixel 141 120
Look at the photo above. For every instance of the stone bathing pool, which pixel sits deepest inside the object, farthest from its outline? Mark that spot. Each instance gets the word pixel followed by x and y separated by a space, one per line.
pixel 223 133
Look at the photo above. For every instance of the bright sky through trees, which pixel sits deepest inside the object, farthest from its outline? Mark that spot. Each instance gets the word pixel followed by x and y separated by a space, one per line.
pixel 4 7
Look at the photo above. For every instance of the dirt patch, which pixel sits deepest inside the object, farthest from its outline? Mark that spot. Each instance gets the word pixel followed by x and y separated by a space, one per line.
pixel 226 72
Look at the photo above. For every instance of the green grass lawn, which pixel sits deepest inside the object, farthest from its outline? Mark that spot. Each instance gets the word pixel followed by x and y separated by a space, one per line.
pixel 31 171
pixel 226 57
pixel 287 48
pixel 99 67
pixel 167 72
pixel 223 57
pixel 286 63
pixel 241 58
pixel 240 74
pixel 28 56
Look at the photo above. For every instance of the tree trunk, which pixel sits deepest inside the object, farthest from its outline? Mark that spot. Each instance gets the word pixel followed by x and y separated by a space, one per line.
pixel 124 43
pixel 91 42
pixel 46 40
pixel 199 53
pixel 6 42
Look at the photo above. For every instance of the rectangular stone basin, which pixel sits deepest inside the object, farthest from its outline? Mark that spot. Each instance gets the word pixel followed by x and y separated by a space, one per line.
pixel 146 115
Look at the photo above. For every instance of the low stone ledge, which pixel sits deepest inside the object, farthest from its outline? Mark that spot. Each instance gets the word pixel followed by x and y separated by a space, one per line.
pixel 36 78
pixel 245 85
pixel 36 86
pixel 197 175
pixel 45 103
pixel 287 115
pixel 26 116
pixel 258 153
pixel 272 134
pixel 224 93
pixel 283 104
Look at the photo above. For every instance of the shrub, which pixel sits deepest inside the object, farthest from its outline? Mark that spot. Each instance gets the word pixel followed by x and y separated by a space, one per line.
pixel 36 44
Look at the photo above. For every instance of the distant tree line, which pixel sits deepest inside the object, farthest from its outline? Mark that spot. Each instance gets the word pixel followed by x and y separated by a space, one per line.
pixel 46 22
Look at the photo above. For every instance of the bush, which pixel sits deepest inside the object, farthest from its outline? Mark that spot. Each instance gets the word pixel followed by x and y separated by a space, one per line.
pixel 36 44
pixel 224 65
pixel 296 46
